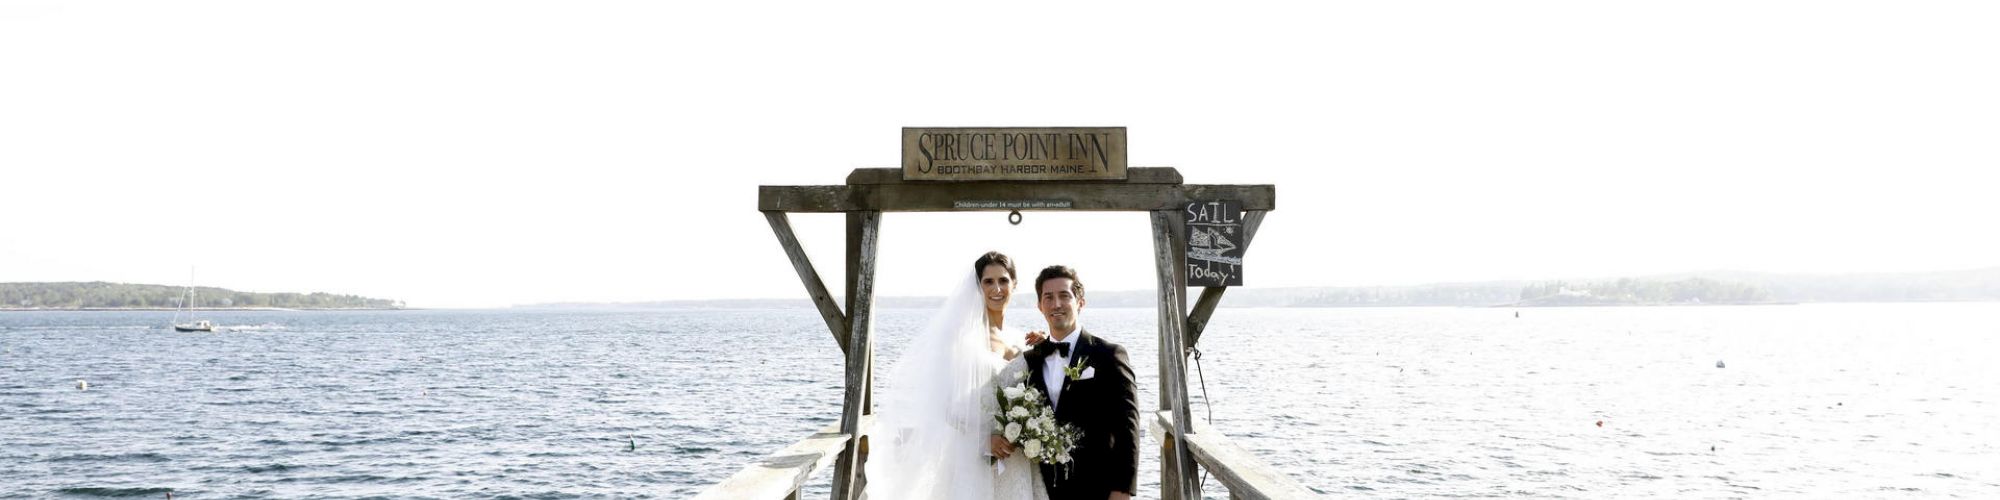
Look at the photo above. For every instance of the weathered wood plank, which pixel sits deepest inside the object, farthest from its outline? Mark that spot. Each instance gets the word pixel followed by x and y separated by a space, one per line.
pixel 1176 465
pixel 1244 474
pixel 855 221
pixel 848 469
pixel 1211 297
pixel 784 472
pixel 1204 307
pixel 835 321
pixel 939 197
pixel 1134 175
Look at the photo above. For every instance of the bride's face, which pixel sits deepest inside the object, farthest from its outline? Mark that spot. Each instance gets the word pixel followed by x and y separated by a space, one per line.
pixel 997 286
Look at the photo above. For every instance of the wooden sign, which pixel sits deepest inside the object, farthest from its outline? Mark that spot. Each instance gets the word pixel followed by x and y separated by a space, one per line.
pixel 1014 154
pixel 1214 243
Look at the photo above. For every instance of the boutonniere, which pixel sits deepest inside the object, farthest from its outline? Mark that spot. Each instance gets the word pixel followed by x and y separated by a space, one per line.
pixel 1081 370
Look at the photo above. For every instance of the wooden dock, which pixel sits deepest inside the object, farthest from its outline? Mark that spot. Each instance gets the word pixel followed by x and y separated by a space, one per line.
pixel 1186 446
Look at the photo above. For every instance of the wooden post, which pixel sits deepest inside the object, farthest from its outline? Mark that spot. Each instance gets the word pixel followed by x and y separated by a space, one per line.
pixel 848 471
pixel 1176 464
pixel 855 221
pixel 782 225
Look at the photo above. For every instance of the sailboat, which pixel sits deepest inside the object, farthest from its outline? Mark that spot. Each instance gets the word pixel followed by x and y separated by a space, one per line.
pixel 187 306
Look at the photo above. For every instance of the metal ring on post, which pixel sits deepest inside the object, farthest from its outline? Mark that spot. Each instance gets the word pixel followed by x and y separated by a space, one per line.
pixel 1014 218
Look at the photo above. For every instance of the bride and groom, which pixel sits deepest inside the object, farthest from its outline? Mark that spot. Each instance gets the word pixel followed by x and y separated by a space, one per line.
pixel 935 435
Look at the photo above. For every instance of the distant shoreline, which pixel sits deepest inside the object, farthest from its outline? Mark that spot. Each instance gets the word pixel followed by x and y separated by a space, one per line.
pixel 166 309
pixel 1662 304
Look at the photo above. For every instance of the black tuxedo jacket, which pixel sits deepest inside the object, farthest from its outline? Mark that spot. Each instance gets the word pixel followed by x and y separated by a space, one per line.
pixel 1106 408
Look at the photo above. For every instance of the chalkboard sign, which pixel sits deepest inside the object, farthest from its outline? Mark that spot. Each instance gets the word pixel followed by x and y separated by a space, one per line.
pixel 1214 243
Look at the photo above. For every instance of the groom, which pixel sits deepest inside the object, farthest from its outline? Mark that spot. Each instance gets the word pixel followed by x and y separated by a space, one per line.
pixel 1089 383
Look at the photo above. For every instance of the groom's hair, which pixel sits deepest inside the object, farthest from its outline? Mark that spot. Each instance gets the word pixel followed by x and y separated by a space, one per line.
pixel 1053 272
pixel 991 258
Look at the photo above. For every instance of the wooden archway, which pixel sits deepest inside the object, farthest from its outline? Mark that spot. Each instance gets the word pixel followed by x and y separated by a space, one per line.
pixel 869 193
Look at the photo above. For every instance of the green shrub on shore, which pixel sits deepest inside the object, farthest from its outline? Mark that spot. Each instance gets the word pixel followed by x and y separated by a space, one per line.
pixel 98 294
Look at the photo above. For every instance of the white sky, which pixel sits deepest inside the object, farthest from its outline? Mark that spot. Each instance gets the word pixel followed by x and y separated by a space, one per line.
pixel 492 153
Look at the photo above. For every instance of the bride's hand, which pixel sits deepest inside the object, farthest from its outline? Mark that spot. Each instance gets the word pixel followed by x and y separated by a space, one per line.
pixel 1036 337
pixel 999 446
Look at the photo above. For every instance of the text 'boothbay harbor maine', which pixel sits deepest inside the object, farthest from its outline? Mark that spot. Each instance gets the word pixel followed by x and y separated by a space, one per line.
pixel 1014 154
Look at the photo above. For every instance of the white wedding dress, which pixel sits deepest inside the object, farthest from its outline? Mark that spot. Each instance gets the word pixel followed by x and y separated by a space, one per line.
pixel 1018 477
pixel 935 414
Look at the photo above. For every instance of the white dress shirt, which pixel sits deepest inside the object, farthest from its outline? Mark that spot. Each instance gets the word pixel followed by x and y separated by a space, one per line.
pixel 1053 365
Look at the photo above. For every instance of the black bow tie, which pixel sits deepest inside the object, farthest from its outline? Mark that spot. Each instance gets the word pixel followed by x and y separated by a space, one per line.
pixel 1052 345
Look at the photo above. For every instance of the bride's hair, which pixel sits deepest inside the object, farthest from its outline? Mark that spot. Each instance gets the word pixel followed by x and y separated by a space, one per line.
pixel 991 258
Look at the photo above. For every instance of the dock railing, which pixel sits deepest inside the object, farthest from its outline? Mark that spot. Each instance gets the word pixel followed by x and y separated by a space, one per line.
pixel 784 473
pixel 1237 469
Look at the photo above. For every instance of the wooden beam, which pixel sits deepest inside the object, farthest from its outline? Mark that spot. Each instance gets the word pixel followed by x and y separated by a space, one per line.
pixel 847 472
pixel 835 321
pixel 783 473
pixel 1197 320
pixel 1134 175
pixel 940 197
pixel 1211 297
pixel 855 221
pixel 1236 468
pixel 1176 465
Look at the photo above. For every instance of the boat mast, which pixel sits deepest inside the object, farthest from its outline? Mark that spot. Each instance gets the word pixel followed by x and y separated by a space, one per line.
pixel 187 299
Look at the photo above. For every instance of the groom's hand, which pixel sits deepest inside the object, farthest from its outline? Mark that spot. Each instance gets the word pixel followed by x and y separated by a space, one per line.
pixel 1000 447
pixel 1035 337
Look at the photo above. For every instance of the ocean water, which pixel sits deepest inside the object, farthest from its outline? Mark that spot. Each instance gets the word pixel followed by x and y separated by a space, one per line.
pixel 1812 401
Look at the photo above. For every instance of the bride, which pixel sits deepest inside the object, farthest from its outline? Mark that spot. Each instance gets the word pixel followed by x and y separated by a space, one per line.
pixel 933 435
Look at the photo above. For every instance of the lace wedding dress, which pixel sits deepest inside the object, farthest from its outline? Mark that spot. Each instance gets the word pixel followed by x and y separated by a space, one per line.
pixel 1017 477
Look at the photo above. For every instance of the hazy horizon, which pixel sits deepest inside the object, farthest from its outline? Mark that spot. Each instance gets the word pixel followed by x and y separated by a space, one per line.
pixel 801 296
pixel 462 154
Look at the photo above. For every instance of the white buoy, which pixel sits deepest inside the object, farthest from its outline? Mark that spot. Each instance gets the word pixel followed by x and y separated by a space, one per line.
pixel 82 385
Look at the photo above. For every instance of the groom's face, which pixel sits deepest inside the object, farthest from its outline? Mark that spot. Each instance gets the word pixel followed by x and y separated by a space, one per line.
pixel 1059 305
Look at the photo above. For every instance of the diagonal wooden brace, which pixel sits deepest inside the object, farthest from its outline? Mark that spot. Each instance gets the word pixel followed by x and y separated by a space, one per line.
pixel 828 309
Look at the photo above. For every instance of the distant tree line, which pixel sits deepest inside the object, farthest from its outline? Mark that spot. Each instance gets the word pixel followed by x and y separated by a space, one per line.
pixel 98 294
pixel 1643 291
pixel 1465 294
pixel 1712 287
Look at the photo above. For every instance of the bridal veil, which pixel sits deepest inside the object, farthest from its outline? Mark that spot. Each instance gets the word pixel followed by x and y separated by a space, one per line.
pixel 929 439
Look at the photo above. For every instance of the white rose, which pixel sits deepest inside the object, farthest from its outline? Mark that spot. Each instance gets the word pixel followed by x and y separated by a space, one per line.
pixel 1035 423
pixel 1033 447
pixel 1012 392
pixel 1018 412
pixel 1048 413
pixel 1047 425
pixel 1013 431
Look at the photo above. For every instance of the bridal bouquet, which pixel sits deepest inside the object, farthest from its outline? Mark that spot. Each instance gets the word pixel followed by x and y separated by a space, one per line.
pixel 1024 421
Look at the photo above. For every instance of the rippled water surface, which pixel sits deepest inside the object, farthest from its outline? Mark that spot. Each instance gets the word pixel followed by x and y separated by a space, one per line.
pixel 1850 400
